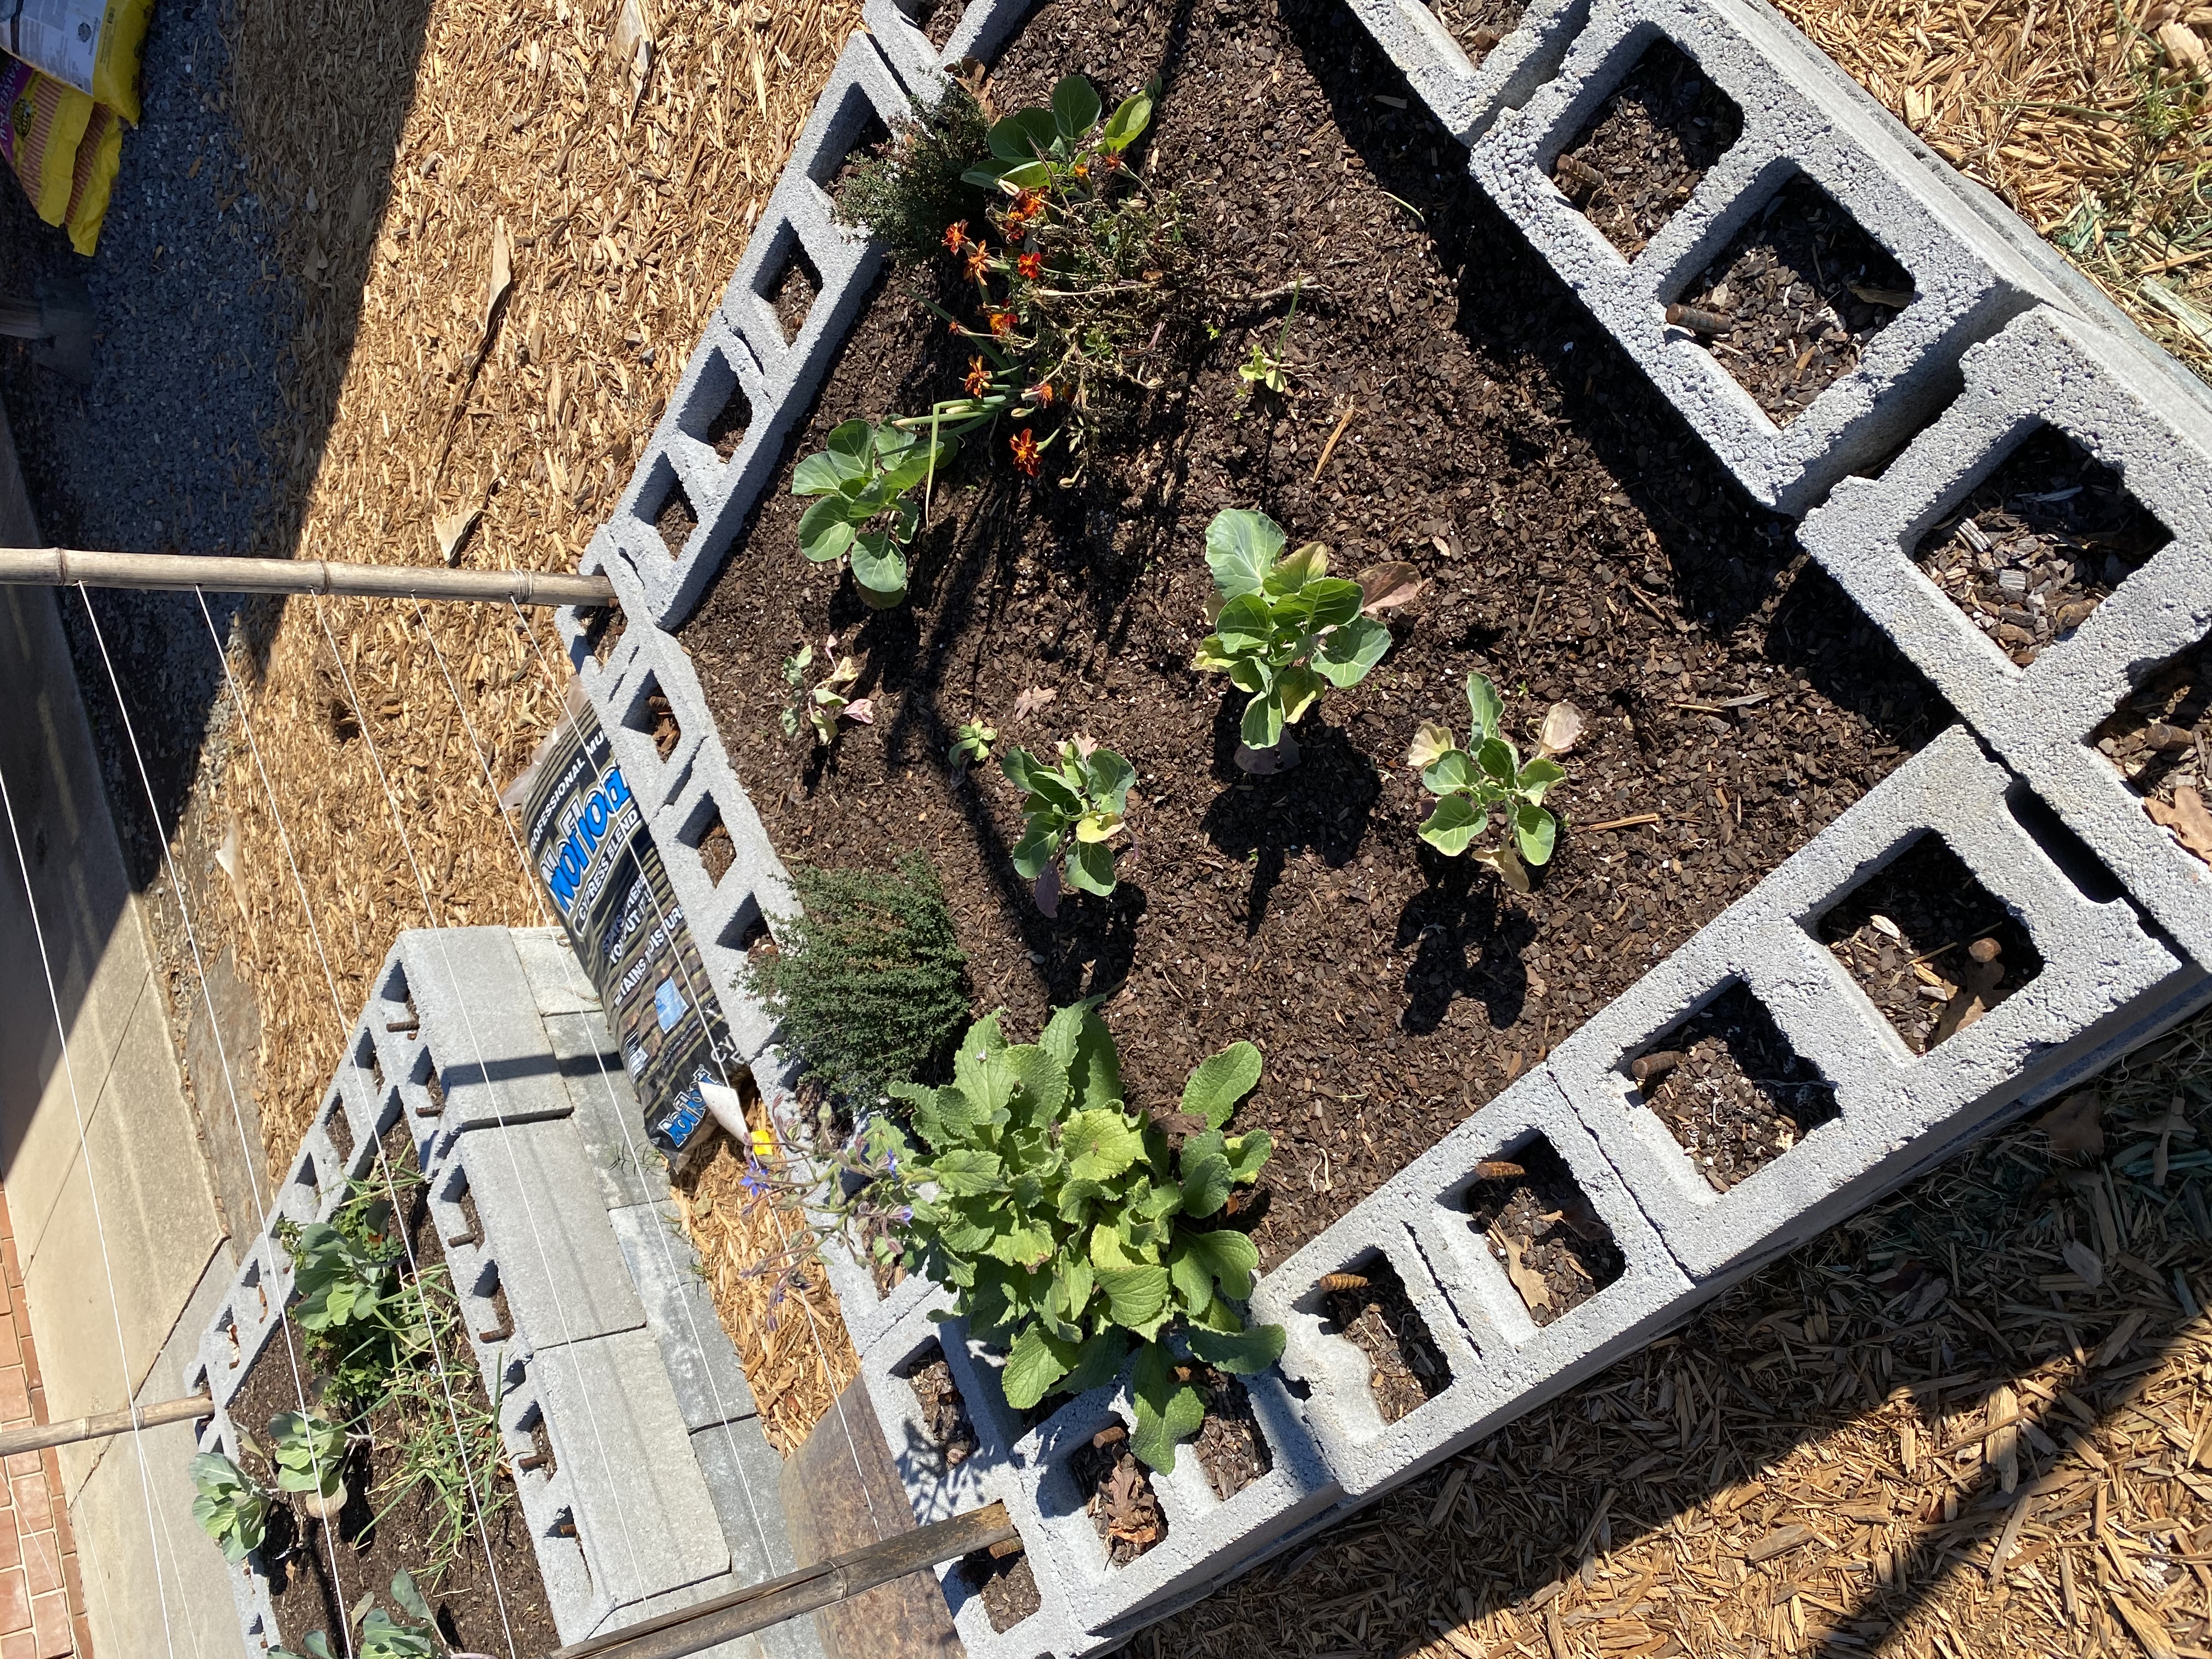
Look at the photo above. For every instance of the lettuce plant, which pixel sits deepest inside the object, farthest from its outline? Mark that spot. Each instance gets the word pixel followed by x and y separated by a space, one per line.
pixel 1072 1230
pixel 1075 806
pixel 862 481
pixel 1469 786
pixel 309 1452
pixel 1284 629
pixel 232 1508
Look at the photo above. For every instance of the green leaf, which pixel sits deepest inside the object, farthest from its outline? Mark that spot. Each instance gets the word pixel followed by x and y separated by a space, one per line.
pixel 1496 758
pixel 1136 1298
pixel 1450 774
pixel 1097 1362
pixel 1245 625
pixel 1262 724
pixel 918 463
pixel 404 1593
pixel 1219 1081
pixel 1019 766
pixel 1167 1411
pixel 1350 651
pixel 1024 1245
pixel 1240 1353
pixel 1538 776
pixel 1049 789
pixel 1294 570
pixel 1298 688
pixel 1034 1364
pixel 1452 828
pixel 1240 546
pixel 1075 1194
pixel 1534 831
pixel 1100 1145
pixel 1247 1154
pixel 1230 1256
pixel 824 531
pixel 844 464
pixel 1206 1177
pixel 1035 850
pixel 1094 1076
pixel 878 568
pixel 967 1172
pixel 1024 136
pixel 1075 107
pixel 1483 702
pixel 1211 656
pixel 1043 1080
pixel 1334 602
pixel 1192 1281
pixel 1074 1278
pixel 1127 123
pixel 1090 867
pixel 1107 778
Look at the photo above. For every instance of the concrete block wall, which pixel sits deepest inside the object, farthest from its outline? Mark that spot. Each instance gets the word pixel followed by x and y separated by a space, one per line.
pixel 585 1306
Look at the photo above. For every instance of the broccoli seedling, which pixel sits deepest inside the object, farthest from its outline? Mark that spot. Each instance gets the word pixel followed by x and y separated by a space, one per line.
pixel 1492 777
pixel 1075 806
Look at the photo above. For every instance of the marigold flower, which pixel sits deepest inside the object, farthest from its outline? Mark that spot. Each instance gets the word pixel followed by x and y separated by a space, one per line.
pixel 979 261
pixel 1031 265
pixel 1002 323
pixel 1109 160
pixel 1040 394
pixel 956 236
pixel 1029 204
pixel 979 378
pixel 1081 171
pixel 1026 454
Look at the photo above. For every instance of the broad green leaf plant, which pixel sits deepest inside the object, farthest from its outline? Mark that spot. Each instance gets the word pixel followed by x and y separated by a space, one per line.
pixel 862 481
pixel 1059 148
pixel 309 1453
pixel 1072 812
pixel 377 1635
pixel 1284 629
pixel 232 1507
pixel 1074 1229
pixel 1470 785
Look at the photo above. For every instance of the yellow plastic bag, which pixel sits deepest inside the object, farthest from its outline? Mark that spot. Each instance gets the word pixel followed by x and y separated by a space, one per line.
pixel 98 153
pixel 94 45
pixel 42 125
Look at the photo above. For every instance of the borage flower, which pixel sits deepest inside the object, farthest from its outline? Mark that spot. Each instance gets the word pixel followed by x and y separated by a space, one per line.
pixel 1027 456
pixel 1002 323
pixel 979 378
pixel 956 236
pixel 1031 265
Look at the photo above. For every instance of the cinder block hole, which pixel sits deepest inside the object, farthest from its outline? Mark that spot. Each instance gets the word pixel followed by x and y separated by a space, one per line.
pixel 1116 1492
pixel 1367 1305
pixel 541 1447
pixel 427 1077
pixel 936 19
pixel 747 931
pixel 394 988
pixel 2160 739
pixel 1005 1584
pixel 2062 845
pixel 727 429
pixel 339 1128
pixel 676 517
pixel 306 1176
pixel 1634 164
pixel 792 289
pixel 706 834
pixel 563 1524
pixel 487 1280
pixel 1479 25
pixel 650 714
pixel 1229 1445
pixel 365 1057
pixel 1933 948
pixel 944 1420
pixel 1541 1227
pixel 251 1280
pixel 387 1112
pixel 2039 543
pixel 856 134
pixel 1789 304
pixel 603 630
pixel 1731 1089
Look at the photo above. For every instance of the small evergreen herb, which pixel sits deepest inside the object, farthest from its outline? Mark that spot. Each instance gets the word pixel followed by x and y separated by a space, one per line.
pixel 870 983
pixel 912 188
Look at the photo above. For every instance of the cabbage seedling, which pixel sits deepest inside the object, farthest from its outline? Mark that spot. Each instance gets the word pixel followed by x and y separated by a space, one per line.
pixel 309 1452
pixel 971 746
pixel 1075 806
pixel 1470 786
pixel 232 1508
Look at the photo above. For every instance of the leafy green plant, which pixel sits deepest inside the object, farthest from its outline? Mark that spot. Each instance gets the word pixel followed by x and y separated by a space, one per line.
pixel 342 1277
pixel 1470 786
pixel 819 708
pixel 1075 807
pixel 1268 368
pixel 378 1635
pixel 232 1508
pixel 309 1452
pixel 1284 629
pixel 971 746
pixel 1074 1229
pixel 862 481
pixel 912 188
pixel 869 982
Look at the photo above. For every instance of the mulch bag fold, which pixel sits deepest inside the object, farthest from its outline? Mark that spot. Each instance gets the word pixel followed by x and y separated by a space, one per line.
pixel 94 45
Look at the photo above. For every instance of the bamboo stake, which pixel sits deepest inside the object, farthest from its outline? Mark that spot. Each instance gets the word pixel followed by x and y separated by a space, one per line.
pixel 102 1425
pixel 61 566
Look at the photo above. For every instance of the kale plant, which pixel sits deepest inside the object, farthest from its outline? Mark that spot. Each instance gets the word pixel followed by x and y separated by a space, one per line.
pixel 1284 629
pixel 869 984
pixel 1075 806
pixel 1470 786
pixel 232 1508
pixel 1072 1230
pixel 912 188
pixel 863 480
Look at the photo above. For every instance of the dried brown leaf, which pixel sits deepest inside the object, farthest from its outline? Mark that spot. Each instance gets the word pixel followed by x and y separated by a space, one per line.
pixel 1388 586
pixel 1031 701
pixel 2073 1125
pixel 2187 817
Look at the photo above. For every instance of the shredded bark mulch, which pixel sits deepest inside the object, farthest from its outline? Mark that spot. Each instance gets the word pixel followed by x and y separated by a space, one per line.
pixel 1120 1500
pixel 1582 544
pixel 1541 1229
pixel 1007 1585
pixel 1479 25
pixel 1798 292
pixel 2160 739
pixel 1908 936
pixel 945 1413
pixel 1407 1369
pixel 1228 1444
pixel 1634 165
pixel 1731 1089
pixel 2040 543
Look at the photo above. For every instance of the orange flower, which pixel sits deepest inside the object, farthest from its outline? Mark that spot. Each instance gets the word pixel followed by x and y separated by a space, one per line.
pixel 1026 455
pixel 1040 394
pixel 1109 160
pixel 1002 323
pixel 956 236
pixel 1081 171
pixel 979 261
pixel 979 378
pixel 1032 265
pixel 1029 204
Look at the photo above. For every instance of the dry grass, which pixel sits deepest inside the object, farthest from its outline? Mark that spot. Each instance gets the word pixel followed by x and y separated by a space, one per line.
pixel 2091 118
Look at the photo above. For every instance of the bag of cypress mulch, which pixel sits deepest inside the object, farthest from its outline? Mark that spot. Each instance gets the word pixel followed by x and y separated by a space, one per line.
pixel 64 149
pixel 588 840
pixel 94 45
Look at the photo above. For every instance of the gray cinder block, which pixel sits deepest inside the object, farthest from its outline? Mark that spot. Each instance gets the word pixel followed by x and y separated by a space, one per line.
pixel 983 31
pixel 702 1364
pixel 1465 96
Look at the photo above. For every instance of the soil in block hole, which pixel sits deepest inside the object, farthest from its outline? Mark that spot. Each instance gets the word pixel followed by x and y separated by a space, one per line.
pixel 1933 947
pixel 1118 1494
pixel 1791 304
pixel 937 18
pixel 795 295
pixel 675 521
pixel 2162 740
pixel 666 733
pixel 731 423
pixel 1634 166
pixel 1479 25
pixel 603 631
pixel 1228 1444
pixel 1731 1089
pixel 944 1413
pixel 716 850
pixel 1541 1228
pixel 2039 544
pixel 1005 1584
pixel 1367 1304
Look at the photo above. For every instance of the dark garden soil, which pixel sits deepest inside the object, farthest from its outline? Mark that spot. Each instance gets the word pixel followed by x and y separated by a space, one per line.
pixel 675 521
pixel 1731 1089
pixel 937 19
pixel 1541 1229
pixel 1581 544
pixel 944 1412
pixel 1479 25
pixel 1634 166
pixel 1229 1445
pixel 1800 292
pixel 796 291
pixel 1908 936
pixel 2162 740
pixel 1006 1584
pixel 1119 1497
pixel 471 1615
pixel 727 429
pixel 2039 543
pixel 1406 1368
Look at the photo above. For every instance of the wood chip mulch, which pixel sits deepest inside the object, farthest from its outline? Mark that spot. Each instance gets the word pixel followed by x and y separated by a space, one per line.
pixel 1728 1086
